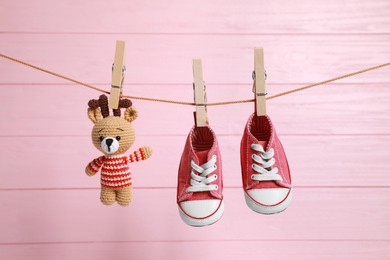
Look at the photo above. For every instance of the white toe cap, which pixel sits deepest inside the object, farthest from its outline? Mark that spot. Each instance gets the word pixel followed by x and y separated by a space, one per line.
pixel 268 196
pixel 200 208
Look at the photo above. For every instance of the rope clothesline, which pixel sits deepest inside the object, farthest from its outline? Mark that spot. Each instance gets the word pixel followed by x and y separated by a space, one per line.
pixel 192 103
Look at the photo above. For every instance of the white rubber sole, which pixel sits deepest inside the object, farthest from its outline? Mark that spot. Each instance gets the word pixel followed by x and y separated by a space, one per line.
pixel 253 205
pixel 204 221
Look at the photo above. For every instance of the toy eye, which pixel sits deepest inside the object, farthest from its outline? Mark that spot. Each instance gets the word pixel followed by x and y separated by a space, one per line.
pixel 118 138
pixel 101 138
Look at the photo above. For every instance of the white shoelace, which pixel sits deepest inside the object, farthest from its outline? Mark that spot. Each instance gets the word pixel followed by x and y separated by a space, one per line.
pixel 202 182
pixel 265 160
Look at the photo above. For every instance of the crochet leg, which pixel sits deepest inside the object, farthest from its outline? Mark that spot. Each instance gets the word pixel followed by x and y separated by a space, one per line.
pixel 107 196
pixel 124 196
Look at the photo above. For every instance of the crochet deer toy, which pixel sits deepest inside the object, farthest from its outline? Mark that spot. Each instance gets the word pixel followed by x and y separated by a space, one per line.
pixel 113 136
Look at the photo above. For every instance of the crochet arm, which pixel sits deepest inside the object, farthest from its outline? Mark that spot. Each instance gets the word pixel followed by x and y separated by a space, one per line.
pixel 94 166
pixel 140 154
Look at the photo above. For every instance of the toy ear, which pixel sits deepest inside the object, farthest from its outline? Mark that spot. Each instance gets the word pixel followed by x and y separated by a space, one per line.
pixel 131 114
pixel 95 115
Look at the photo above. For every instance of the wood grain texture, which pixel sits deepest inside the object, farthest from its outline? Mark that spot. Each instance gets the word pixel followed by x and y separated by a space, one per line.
pixel 337 137
pixel 315 161
pixel 340 109
pixel 164 250
pixel 232 17
pixel 78 215
pixel 227 59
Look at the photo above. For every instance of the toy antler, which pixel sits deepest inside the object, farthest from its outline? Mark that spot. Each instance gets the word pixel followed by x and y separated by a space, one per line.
pixel 123 103
pixel 102 102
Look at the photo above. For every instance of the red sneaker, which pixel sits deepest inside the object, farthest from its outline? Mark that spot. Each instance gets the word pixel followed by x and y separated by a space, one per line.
pixel 199 189
pixel 265 173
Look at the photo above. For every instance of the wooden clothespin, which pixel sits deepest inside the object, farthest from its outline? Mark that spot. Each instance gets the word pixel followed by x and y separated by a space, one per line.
pixel 118 75
pixel 259 87
pixel 201 119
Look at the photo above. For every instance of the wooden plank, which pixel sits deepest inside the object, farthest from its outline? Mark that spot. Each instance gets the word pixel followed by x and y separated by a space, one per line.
pixel 352 16
pixel 55 110
pixel 77 215
pixel 59 162
pixel 300 250
pixel 229 58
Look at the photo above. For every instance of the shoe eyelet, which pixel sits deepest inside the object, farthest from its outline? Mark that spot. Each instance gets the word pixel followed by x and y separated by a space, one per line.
pixel 216 187
pixel 215 166
pixel 253 156
pixel 214 156
pixel 215 176
pixel 252 177
pixel 253 166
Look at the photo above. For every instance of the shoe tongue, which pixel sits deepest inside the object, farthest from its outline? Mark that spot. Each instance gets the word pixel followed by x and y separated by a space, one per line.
pixel 261 138
pixel 202 157
pixel 263 143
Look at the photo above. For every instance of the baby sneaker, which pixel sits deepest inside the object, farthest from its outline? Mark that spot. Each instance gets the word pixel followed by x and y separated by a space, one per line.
pixel 199 189
pixel 265 172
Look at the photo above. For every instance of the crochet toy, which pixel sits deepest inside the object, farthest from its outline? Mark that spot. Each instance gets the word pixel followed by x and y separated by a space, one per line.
pixel 113 136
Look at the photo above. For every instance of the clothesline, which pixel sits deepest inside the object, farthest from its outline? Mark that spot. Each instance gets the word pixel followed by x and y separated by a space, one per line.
pixel 192 103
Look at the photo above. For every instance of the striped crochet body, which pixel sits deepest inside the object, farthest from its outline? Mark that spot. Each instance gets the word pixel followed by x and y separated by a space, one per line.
pixel 115 171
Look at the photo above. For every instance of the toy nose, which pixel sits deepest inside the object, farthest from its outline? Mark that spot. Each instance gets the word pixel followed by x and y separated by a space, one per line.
pixel 109 142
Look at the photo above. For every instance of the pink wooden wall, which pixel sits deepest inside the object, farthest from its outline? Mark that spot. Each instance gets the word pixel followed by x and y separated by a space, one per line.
pixel 337 137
